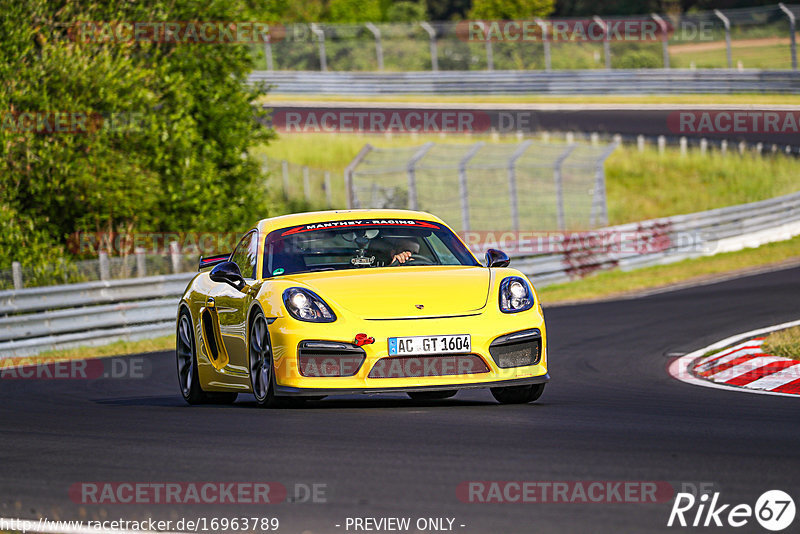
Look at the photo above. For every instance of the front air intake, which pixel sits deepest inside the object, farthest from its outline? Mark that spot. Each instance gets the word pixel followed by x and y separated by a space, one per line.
pixel 518 349
pixel 323 359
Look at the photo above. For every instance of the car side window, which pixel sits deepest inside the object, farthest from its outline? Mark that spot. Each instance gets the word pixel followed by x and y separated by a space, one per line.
pixel 245 255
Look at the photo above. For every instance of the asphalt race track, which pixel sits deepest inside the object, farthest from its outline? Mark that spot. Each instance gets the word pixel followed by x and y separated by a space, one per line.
pixel 611 412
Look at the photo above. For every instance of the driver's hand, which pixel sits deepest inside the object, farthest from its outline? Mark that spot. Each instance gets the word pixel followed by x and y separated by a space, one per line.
pixel 402 257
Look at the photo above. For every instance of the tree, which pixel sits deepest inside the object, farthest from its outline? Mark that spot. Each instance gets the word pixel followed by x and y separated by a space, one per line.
pixel 180 163
pixel 510 9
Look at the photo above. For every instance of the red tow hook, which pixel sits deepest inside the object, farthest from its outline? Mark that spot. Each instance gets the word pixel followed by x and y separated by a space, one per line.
pixel 363 339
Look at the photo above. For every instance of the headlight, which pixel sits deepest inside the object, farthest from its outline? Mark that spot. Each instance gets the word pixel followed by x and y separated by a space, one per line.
pixel 515 295
pixel 305 305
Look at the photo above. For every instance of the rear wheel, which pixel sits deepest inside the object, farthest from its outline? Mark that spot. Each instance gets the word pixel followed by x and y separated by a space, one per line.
pixel 518 394
pixel 260 362
pixel 432 395
pixel 188 378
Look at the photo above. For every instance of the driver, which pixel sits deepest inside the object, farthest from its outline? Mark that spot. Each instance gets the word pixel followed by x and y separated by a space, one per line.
pixel 392 250
pixel 403 250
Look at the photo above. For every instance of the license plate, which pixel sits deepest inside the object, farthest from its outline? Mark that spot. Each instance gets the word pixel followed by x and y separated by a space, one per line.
pixel 418 345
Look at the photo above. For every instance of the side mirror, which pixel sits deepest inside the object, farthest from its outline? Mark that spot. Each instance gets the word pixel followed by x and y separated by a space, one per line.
pixel 229 273
pixel 496 258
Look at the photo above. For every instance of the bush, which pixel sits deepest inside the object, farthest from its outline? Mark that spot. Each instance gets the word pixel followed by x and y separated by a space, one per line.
pixel 182 163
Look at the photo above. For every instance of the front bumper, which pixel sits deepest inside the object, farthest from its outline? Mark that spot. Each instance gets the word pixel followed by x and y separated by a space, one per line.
pixel 287 334
pixel 285 391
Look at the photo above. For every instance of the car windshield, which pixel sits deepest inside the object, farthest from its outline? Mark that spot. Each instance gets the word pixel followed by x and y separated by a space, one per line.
pixel 362 244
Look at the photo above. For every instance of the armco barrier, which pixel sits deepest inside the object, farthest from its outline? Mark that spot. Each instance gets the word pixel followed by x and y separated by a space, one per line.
pixel 37 319
pixel 652 81
pixel 93 313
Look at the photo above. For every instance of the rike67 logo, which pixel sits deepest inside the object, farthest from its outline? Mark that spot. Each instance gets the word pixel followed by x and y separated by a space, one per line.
pixel 774 510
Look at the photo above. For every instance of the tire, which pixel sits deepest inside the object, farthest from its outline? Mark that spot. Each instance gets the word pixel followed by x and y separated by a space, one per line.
pixel 432 395
pixel 262 374
pixel 518 394
pixel 186 359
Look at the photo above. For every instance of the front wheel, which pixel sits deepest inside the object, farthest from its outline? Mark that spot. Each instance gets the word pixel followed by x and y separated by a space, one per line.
pixel 518 394
pixel 260 364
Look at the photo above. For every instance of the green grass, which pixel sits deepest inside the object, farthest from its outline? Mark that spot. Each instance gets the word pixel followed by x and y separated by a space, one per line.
pixel 639 185
pixel 756 57
pixel 784 343
pixel 616 283
pixel 118 348
pixel 646 185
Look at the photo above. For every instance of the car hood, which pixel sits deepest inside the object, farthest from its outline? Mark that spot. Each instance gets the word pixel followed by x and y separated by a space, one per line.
pixel 396 292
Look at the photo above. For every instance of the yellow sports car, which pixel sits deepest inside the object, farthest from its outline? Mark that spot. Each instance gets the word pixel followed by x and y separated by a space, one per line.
pixel 362 301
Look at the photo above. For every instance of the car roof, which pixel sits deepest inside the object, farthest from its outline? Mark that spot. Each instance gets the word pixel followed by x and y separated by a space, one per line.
pixel 295 219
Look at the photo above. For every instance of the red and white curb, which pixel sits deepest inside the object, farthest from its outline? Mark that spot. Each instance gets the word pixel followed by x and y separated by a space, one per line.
pixel 741 366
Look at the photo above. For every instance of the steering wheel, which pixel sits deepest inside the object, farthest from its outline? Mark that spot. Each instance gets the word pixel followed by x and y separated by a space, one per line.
pixel 415 259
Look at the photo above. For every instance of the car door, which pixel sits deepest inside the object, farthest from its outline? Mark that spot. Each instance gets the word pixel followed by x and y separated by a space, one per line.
pixel 231 305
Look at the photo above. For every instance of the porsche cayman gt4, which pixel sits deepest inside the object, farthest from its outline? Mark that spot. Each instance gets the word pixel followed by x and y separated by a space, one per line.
pixel 362 301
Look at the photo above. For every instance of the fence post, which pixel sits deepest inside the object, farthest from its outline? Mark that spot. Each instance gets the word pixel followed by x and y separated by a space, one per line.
pixel 703 146
pixel 600 202
pixel 662 144
pixel 285 173
pixel 323 60
pixel 175 256
pixel 560 218
pixel 434 52
pixel 16 274
pixel 378 47
pixel 548 65
pixel 268 55
pixel 489 52
pixel 606 42
pixel 640 142
pixel 727 24
pixel 141 265
pixel 350 197
pixel 306 184
pixel 105 271
pixel 411 170
pixel 723 147
pixel 512 183
pixel 684 146
pixel 664 38
pixel 328 192
pixel 462 185
pixel 792 23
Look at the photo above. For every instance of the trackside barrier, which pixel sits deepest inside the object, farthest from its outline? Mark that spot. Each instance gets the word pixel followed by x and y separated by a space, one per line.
pixel 37 319
pixel 621 81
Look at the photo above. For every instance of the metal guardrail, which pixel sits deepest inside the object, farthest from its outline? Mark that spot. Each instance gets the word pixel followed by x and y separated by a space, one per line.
pixel 654 81
pixel 93 313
